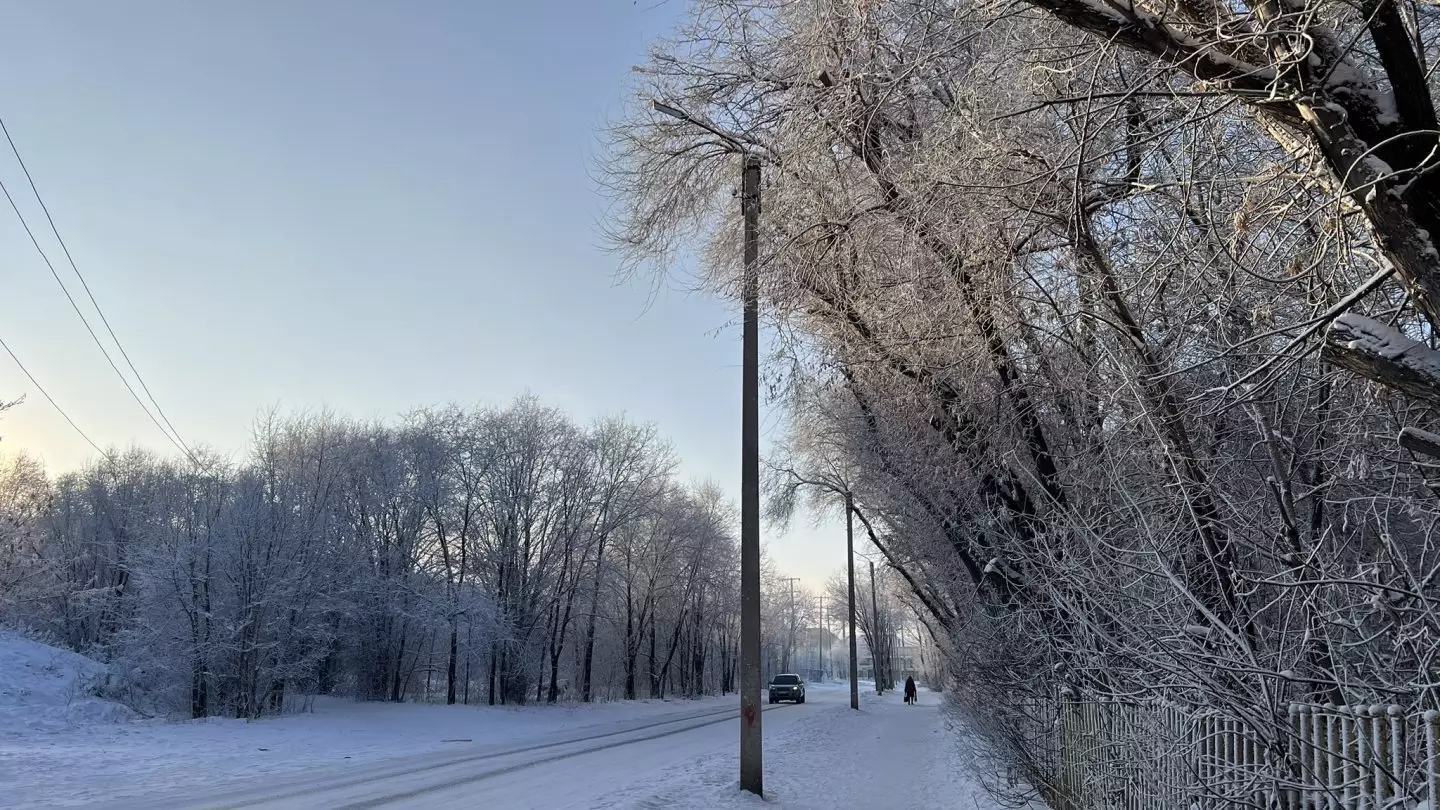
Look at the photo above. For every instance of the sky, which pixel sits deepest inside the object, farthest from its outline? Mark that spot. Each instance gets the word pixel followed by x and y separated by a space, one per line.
pixel 368 207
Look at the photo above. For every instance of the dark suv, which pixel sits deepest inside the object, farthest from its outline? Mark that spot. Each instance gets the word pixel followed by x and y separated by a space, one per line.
pixel 787 687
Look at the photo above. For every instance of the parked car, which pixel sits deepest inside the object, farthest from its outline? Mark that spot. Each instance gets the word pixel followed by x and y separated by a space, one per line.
pixel 787 687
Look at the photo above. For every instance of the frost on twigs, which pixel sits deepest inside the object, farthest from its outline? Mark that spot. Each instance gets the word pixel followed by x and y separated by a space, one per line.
pixel 1384 355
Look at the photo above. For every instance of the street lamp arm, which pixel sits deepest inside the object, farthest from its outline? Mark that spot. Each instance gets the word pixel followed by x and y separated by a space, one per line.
pixel 739 143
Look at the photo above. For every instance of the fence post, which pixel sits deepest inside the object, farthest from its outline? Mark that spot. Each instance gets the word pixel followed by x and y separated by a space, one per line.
pixel 1253 768
pixel 1179 757
pixel 1397 751
pixel 1377 756
pixel 1432 768
pixel 1299 755
pixel 1065 714
pixel 1207 761
pixel 1227 759
pixel 1335 753
pixel 1349 752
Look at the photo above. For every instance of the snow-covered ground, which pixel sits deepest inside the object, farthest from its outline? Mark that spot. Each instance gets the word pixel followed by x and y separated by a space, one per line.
pixel 887 755
pixel 61 746
pixel 47 689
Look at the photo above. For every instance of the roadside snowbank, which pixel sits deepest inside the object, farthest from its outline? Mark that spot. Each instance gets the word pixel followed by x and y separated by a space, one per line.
pixel 47 689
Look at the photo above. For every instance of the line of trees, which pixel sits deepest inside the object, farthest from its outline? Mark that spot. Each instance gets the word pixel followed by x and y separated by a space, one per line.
pixel 878 621
pixel 499 555
pixel 1106 315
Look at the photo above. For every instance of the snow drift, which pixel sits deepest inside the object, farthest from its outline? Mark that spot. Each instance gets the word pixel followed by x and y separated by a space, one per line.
pixel 44 688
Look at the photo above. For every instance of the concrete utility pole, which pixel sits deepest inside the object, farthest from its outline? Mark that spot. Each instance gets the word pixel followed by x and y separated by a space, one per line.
pixel 875 633
pixel 850 568
pixel 752 772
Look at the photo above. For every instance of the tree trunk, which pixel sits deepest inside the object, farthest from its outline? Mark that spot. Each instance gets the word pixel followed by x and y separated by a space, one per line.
pixel 395 682
pixel 199 689
pixel 555 651
pixel 654 673
pixel 698 659
pixel 632 651
pixel 494 656
pixel 670 654
pixel 452 669
pixel 590 624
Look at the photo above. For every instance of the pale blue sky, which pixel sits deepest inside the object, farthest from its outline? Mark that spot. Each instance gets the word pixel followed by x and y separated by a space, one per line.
pixel 362 205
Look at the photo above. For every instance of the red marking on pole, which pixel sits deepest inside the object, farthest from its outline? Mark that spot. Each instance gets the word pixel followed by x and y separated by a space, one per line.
pixel 749 713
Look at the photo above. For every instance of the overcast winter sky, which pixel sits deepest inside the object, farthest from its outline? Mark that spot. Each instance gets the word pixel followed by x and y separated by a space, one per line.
pixel 367 206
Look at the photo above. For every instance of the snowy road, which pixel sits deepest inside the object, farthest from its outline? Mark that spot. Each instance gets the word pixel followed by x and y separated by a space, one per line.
pixel 576 770
pixel 618 756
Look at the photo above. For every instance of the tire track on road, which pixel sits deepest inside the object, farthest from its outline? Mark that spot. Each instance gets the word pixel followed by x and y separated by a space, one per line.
pixel 381 801
pixel 339 783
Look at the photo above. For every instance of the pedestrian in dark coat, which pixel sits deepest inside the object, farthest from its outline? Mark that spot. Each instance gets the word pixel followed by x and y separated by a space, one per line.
pixel 910 696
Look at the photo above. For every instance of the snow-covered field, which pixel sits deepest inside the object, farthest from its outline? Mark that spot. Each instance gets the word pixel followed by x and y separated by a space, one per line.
pixel 61 746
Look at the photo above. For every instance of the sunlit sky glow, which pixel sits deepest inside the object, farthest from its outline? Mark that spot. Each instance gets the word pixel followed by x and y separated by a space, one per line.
pixel 362 206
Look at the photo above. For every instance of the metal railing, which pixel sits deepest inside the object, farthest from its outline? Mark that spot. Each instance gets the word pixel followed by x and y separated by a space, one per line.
pixel 1106 755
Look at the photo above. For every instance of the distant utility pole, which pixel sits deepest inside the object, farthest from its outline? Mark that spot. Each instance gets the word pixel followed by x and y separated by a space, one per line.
pixel 790 643
pixel 752 772
pixel 850 568
pixel 824 631
pixel 875 633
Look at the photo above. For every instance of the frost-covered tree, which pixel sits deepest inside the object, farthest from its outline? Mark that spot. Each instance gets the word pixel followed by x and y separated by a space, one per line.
pixel 1085 307
pixel 501 554
pixel 26 575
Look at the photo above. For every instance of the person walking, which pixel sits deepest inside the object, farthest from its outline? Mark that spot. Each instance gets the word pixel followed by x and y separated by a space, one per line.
pixel 910 696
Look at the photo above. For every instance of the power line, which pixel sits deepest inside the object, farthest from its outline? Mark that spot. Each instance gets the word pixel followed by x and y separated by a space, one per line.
pixel 168 429
pixel 85 321
pixel 86 285
pixel 50 399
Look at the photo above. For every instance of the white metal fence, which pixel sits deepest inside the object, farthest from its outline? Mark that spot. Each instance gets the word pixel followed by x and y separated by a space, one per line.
pixel 1127 756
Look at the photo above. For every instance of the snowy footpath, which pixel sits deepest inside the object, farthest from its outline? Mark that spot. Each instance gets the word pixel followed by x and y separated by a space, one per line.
pixel 887 756
pixel 61 746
